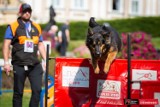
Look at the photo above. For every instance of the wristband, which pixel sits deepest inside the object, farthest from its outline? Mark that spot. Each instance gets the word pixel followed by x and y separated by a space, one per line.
pixel 44 61
pixel 6 63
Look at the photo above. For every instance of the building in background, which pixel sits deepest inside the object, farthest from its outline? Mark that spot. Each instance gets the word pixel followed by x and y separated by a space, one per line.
pixel 80 9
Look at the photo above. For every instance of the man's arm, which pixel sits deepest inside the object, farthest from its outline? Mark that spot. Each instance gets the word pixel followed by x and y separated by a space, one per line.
pixel 42 50
pixel 67 35
pixel 6 52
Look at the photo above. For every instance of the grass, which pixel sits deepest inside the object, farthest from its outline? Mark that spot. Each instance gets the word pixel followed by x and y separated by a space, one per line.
pixel 156 42
pixel 74 44
pixel 6 99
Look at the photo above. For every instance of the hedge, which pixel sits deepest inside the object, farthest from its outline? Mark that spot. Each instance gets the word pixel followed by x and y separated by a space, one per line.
pixel 78 29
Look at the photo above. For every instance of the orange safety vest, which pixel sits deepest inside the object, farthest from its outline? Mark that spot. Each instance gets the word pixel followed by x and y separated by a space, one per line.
pixel 19 57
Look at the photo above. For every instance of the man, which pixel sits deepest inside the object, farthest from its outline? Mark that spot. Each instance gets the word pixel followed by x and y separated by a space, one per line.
pixel 26 39
pixel 65 38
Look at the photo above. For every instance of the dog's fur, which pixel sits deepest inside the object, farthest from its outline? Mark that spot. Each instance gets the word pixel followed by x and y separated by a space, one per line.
pixel 104 43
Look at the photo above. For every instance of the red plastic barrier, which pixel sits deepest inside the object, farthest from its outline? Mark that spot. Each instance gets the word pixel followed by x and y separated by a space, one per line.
pixel 76 85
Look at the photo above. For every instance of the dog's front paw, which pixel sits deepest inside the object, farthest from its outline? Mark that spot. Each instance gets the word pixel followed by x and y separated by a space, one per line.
pixel 96 71
pixel 106 70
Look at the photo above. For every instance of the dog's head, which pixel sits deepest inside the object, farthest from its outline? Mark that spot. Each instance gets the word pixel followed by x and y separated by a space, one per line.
pixel 98 38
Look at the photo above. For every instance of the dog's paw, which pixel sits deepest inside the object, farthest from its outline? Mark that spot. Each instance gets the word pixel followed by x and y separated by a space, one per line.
pixel 106 70
pixel 96 71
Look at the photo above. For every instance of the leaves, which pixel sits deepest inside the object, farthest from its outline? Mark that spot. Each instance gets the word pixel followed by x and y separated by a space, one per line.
pixel 141 46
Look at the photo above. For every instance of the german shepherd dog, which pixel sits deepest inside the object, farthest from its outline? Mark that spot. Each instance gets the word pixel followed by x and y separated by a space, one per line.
pixel 103 43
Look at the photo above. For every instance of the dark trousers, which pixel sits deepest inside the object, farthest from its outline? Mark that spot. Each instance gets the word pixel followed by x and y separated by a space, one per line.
pixel 34 74
pixel 63 49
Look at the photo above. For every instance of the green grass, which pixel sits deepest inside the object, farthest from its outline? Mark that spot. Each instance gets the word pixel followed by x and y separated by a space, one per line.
pixel 6 99
pixel 156 42
pixel 75 43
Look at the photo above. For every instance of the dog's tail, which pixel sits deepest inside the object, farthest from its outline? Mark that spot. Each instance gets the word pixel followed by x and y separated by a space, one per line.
pixel 92 22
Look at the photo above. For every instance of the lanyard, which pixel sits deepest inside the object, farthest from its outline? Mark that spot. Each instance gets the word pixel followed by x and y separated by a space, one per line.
pixel 28 29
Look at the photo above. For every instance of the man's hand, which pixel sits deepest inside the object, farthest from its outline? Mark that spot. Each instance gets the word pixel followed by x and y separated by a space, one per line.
pixel 7 69
pixel 44 65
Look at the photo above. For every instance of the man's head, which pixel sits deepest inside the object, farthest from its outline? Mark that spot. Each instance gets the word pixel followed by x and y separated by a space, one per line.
pixel 53 29
pixel 25 11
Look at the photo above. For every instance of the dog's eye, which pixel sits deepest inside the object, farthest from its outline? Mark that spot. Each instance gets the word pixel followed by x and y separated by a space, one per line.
pixel 90 41
pixel 106 36
pixel 93 45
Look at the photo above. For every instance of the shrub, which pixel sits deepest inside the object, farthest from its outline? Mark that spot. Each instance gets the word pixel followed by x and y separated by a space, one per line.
pixel 141 46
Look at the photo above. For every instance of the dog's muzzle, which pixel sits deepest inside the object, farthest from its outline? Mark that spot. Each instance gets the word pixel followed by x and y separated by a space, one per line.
pixel 97 51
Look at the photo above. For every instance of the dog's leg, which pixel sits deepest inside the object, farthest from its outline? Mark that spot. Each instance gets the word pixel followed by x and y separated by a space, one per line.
pixel 95 66
pixel 109 60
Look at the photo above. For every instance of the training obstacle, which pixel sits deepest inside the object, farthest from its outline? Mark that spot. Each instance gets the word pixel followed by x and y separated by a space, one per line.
pixel 128 83
pixel 76 85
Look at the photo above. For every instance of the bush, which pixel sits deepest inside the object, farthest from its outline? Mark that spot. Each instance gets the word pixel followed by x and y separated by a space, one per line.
pixel 2 32
pixel 78 29
pixel 149 25
pixel 141 46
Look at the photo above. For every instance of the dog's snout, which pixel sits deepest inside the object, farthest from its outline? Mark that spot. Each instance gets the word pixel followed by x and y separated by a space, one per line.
pixel 98 53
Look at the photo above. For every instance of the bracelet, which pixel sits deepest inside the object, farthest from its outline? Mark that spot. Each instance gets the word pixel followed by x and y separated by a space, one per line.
pixel 44 61
pixel 6 63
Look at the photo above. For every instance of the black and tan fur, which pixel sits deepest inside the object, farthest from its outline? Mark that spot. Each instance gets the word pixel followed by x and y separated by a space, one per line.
pixel 104 43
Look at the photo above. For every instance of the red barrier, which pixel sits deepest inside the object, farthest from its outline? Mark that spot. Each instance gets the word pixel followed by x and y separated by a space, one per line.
pixel 76 85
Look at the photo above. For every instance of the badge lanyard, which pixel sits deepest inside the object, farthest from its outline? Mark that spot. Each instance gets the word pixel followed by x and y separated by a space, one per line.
pixel 28 45
pixel 28 29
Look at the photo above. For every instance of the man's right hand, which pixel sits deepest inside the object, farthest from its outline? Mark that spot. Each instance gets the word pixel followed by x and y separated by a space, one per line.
pixel 7 69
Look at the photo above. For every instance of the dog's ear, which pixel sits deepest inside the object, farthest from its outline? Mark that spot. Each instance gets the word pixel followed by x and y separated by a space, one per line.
pixel 105 27
pixel 92 23
pixel 105 31
pixel 90 32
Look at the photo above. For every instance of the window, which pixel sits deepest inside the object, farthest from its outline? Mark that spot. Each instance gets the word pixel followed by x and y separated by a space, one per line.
pixel 116 5
pixel 57 3
pixel 79 4
pixel 134 7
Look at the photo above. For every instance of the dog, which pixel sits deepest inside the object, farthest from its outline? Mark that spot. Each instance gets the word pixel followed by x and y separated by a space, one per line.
pixel 104 43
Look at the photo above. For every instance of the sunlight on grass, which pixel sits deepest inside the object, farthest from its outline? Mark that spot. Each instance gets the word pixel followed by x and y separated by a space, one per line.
pixel 75 43
pixel 156 42
pixel 6 99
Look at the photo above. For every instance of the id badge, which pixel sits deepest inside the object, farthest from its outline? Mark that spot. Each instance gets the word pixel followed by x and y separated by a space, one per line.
pixel 28 46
